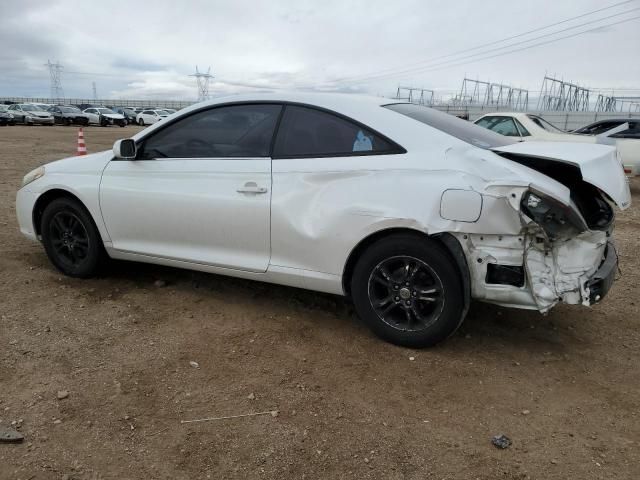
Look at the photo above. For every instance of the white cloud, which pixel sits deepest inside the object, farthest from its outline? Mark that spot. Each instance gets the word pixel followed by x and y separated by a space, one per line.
pixel 147 49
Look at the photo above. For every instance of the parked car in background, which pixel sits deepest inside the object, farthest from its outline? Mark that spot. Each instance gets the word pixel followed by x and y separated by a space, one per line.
pixel 603 126
pixel 30 114
pixel 149 117
pixel 3 107
pixel 68 115
pixel 170 111
pixel 104 117
pixel 6 118
pixel 528 127
pixel 409 211
pixel 84 106
pixel 127 113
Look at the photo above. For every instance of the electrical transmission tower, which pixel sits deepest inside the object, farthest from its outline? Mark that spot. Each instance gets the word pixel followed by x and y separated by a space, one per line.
pixel 558 95
pixel 203 80
pixel 493 95
pixel 56 85
pixel 606 103
pixel 420 96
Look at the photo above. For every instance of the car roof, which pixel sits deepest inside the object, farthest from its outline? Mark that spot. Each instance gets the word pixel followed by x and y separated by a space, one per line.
pixel 505 114
pixel 334 101
pixel 621 120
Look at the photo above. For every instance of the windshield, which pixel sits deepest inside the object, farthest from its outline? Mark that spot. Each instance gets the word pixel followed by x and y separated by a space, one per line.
pixel 70 109
pixel 542 123
pixel 29 107
pixel 105 111
pixel 454 126
pixel 162 112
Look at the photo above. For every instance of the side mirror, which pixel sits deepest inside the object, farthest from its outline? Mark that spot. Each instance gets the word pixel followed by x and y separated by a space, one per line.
pixel 125 149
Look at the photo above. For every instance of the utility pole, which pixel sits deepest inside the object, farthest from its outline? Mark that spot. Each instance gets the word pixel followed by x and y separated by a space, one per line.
pixel 56 84
pixel 95 92
pixel 203 80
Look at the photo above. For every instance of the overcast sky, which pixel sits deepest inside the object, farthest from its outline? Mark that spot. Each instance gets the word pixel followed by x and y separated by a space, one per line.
pixel 147 49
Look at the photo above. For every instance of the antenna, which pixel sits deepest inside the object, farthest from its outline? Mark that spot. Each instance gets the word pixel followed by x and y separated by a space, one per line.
pixel 203 80
pixel 56 85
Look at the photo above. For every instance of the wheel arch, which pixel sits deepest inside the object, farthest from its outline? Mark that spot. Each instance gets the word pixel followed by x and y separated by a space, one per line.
pixel 45 199
pixel 446 240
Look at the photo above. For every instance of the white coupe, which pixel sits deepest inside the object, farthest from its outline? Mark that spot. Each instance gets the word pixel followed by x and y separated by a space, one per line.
pixel 528 127
pixel 104 117
pixel 409 211
pixel 149 117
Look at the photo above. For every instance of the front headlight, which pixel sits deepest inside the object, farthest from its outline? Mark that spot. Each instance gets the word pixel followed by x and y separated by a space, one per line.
pixel 556 219
pixel 32 176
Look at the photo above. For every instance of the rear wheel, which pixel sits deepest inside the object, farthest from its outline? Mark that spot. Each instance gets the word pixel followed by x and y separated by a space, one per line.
pixel 408 291
pixel 71 240
pixel 141 122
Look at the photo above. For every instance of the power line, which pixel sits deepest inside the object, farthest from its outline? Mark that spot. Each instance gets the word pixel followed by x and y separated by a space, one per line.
pixel 382 73
pixel 417 69
pixel 532 46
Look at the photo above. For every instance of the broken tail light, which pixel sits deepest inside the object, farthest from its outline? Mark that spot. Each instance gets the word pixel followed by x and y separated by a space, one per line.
pixel 555 218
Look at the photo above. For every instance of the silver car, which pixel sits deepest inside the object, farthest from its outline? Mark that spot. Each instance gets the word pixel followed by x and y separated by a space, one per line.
pixel 30 114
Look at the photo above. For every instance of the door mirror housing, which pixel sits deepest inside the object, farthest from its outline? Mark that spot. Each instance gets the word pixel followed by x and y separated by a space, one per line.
pixel 125 149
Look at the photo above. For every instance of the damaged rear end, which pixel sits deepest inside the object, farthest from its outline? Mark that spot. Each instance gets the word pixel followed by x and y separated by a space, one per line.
pixel 564 251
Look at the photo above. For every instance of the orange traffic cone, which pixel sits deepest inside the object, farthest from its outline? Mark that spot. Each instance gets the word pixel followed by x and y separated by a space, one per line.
pixel 82 148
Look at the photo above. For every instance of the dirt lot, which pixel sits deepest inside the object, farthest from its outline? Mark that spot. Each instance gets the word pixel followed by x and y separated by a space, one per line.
pixel 564 387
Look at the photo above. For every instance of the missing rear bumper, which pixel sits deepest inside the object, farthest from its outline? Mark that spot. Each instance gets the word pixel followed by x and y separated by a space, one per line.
pixel 600 282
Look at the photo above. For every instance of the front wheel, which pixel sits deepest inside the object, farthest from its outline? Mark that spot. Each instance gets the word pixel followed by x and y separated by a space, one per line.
pixel 71 239
pixel 141 122
pixel 408 291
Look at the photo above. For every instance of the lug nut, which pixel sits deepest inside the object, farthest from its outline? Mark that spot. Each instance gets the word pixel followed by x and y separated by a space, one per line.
pixel 397 298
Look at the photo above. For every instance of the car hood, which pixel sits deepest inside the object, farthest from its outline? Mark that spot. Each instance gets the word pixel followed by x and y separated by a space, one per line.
pixel 599 165
pixel 38 114
pixel 92 164
pixel 115 116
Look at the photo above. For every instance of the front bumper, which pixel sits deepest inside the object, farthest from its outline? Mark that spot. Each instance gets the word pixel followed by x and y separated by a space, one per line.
pixel 25 201
pixel 43 121
pixel 600 282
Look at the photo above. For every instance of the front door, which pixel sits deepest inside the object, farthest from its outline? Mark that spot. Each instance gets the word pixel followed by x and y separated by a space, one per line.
pixel 199 190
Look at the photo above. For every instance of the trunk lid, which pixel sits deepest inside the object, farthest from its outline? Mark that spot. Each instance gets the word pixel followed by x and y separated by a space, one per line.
pixel 599 165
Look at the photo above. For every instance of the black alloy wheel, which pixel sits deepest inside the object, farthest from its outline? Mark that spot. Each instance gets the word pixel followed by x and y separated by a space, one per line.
pixel 408 290
pixel 71 239
pixel 406 293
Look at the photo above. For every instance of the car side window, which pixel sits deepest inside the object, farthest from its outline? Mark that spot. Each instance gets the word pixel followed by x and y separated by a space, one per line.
pixel 502 125
pixel 308 132
pixel 221 132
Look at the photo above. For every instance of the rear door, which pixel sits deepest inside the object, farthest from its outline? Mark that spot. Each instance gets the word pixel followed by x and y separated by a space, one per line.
pixel 199 190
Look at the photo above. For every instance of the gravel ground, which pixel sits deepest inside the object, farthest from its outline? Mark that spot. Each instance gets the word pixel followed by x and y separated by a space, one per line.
pixel 564 387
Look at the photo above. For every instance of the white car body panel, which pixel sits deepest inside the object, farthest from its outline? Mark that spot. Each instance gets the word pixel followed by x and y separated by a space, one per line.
pixel 628 148
pixel 598 163
pixel 190 209
pixel 315 211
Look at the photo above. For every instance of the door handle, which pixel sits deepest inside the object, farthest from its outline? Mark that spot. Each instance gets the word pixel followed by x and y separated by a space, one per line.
pixel 251 187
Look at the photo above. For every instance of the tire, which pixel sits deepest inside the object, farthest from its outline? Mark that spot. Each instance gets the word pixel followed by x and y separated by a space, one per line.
pixel 407 290
pixel 71 239
pixel 141 122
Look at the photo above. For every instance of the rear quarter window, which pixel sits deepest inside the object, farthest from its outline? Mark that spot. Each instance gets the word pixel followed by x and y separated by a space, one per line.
pixel 454 126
